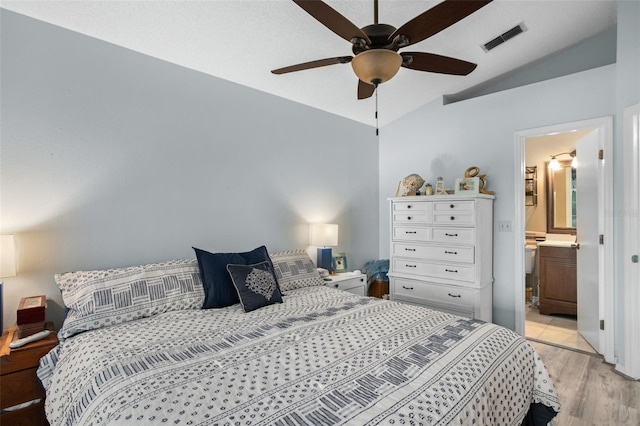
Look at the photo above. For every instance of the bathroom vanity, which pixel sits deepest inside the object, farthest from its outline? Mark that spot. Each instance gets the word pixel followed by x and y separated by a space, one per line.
pixel 558 278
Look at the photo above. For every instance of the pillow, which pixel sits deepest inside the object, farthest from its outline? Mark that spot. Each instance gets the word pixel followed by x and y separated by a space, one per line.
pixel 218 287
pixel 294 269
pixel 256 285
pixel 98 299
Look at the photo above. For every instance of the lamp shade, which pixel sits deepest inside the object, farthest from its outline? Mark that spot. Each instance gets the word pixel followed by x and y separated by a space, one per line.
pixel 324 234
pixel 7 256
pixel 376 66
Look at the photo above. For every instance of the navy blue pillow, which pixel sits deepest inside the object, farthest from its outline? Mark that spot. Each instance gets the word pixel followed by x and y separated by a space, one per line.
pixel 218 287
pixel 256 285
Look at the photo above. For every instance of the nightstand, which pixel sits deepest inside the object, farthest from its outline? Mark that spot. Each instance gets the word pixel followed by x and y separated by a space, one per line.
pixel 20 383
pixel 348 281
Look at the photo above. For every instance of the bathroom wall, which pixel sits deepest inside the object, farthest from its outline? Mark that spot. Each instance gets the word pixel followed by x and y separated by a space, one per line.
pixel 538 152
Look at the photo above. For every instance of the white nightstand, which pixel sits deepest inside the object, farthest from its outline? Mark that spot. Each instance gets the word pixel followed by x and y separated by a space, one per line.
pixel 348 281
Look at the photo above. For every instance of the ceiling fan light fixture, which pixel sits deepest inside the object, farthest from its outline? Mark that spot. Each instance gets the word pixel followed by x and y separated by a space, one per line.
pixel 376 66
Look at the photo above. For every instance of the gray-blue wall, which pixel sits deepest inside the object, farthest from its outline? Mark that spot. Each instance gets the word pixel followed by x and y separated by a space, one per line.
pixel 112 158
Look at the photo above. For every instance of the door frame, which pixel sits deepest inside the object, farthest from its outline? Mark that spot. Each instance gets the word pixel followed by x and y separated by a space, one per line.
pixel 631 246
pixel 604 125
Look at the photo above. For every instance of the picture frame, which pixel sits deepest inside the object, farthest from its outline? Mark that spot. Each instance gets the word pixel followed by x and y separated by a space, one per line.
pixel 339 262
pixel 467 185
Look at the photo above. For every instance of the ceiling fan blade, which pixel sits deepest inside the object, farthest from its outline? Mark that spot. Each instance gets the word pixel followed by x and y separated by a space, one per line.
pixel 431 62
pixel 314 64
pixel 437 19
pixel 333 20
pixel 365 90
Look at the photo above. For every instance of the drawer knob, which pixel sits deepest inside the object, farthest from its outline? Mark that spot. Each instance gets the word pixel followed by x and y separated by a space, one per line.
pixel 409 249
pixel 410 266
pixel 451 206
pixel 409 206
pixel 452 270
pixel 407 288
pixel 450 235
pixel 453 218
pixel 408 217
pixel 336 285
pixel 454 295
pixel 450 252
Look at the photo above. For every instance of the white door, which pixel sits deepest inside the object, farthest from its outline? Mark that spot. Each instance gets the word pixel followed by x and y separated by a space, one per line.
pixel 588 188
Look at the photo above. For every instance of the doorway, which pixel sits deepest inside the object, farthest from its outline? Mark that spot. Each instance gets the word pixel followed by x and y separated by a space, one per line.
pixel 552 312
pixel 602 312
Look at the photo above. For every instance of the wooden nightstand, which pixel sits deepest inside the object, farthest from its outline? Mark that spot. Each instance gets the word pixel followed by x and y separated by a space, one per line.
pixel 348 281
pixel 19 383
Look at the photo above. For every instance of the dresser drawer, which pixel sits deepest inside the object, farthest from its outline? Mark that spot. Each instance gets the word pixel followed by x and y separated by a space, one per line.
pixel 407 233
pixel 421 251
pixel 454 235
pixel 462 298
pixel 453 207
pixel 411 217
pixel 20 387
pixel 406 207
pixel 412 212
pixel 430 269
pixel 451 218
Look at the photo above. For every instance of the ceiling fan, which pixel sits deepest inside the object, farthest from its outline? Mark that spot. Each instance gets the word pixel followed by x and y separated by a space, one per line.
pixel 376 46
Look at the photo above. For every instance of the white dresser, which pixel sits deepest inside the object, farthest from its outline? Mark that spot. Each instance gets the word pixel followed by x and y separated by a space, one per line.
pixel 441 253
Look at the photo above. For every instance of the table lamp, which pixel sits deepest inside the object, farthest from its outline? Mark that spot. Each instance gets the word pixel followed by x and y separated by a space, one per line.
pixel 7 265
pixel 325 235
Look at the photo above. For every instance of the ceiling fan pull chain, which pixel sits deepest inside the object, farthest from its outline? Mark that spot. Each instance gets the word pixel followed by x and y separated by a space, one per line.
pixel 377 132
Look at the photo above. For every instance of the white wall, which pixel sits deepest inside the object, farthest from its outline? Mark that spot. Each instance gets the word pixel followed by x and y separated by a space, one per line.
pixel 627 94
pixel 112 158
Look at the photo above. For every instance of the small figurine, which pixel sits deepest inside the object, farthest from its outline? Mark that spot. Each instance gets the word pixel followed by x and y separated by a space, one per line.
pixel 440 189
pixel 474 171
pixel 428 189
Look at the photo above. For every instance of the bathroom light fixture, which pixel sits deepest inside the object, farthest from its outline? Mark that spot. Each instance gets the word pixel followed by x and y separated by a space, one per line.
pixel 555 165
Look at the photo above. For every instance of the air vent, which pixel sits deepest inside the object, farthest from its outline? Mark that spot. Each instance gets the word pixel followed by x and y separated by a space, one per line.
pixel 507 35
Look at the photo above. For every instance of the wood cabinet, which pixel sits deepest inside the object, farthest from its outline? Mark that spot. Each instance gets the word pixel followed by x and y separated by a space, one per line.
pixel 21 385
pixel 558 280
pixel 441 253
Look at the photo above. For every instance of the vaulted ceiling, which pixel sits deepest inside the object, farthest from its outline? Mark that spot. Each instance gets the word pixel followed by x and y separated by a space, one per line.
pixel 241 41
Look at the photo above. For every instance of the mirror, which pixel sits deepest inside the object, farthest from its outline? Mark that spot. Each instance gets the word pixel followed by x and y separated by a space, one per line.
pixel 561 199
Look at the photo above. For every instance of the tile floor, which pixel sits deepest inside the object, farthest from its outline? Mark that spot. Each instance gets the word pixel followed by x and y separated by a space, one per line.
pixel 558 330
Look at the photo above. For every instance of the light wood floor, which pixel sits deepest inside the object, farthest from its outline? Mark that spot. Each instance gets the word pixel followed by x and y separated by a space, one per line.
pixel 591 392
pixel 556 329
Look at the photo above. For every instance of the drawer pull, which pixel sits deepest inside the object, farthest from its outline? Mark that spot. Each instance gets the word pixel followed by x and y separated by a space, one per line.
pixel 336 285
pixel 411 266
pixel 452 206
pixel 408 217
pixel 407 288
pixel 450 252
pixel 410 232
pixel 409 249
pixel 450 235
pixel 452 270
pixel 453 218
pixel 409 206
pixel 455 295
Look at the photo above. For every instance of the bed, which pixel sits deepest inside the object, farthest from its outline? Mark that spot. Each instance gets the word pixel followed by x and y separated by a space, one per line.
pixel 319 357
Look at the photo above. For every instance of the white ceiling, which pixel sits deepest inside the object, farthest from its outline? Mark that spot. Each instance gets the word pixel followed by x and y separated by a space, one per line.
pixel 241 41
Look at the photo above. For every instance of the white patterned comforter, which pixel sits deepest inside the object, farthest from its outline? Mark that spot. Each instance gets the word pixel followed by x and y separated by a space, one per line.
pixel 321 357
